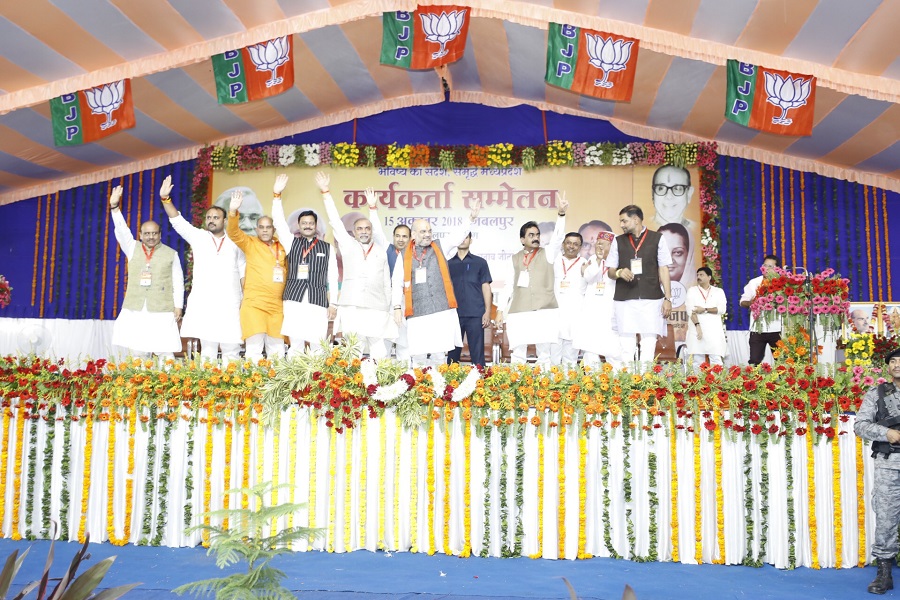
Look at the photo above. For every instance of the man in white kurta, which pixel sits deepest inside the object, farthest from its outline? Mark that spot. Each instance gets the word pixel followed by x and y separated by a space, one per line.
pixel 422 293
pixel 596 333
pixel 639 262
pixel 365 295
pixel 569 286
pixel 311 288
pixel 705 305
pixel 528 302
pixel 763 333
pixel 154 298
pixel 214 304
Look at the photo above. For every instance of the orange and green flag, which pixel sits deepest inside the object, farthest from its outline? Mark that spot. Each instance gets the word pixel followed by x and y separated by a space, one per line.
pixel 770 100
pixel 591 63
pixel 258 71
pixel 89 115
pixel 429 37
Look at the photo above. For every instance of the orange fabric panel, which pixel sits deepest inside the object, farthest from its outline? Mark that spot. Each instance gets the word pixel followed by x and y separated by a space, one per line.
pixel 155 103
pixel 253 13
pixel 316 82
pixel 876 44
pixel 160 21
pixel 488 40
pixel 677 17
pixel 774 25
pixel 365 37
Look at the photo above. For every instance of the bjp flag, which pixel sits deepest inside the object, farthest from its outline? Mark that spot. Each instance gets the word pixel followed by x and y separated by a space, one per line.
pixel 89 115
pixel 429 37
pixel 770 100
pixel 258 71
pixel 591 63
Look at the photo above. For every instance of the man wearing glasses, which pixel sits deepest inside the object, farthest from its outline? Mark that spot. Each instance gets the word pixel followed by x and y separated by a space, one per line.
pixel 672 191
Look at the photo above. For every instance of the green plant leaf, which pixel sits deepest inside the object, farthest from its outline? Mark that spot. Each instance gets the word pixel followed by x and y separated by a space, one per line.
pixel 10 568
pixel 87 582
pixel 116 592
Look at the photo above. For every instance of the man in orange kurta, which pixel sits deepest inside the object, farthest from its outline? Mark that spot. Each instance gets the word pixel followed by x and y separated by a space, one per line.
pixel 261 308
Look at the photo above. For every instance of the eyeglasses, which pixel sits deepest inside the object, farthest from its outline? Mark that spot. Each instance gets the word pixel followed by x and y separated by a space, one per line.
pixel 660 189
pixel 150 233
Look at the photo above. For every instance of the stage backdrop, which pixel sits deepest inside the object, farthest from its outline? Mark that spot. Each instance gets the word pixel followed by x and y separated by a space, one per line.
pixel 510 197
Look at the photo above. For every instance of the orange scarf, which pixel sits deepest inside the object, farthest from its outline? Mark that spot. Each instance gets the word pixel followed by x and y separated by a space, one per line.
pixel 407 276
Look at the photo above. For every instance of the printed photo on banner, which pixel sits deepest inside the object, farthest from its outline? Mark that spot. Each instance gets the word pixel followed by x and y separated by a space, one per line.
pixel 863 317
pixel 510 196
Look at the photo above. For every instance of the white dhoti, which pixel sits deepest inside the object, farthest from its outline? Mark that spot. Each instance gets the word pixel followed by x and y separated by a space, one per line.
pixel 209 321
pixel 365 322
pixel 437 332
pixel 640 316
pixel 596 332
pixel 533 327
pixel 144 331
pixel 304 322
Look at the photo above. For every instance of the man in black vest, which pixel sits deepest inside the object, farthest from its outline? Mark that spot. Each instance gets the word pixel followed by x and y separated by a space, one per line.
pixel 877 420
pixel 639 262
pixel 311 286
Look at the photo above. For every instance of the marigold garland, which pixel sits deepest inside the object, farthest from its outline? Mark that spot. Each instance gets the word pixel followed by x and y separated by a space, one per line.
pixel 486 538
pixel 811 494
pixel 860 503
pixel 4 461
pixel 561 482
pixel 673 458
pixel 540 495
pixel 720 496
pixel 414 492
pixel 348 488
pixel 838 511
pixel 395 514
pixel 247 463
pixel 582 495
pixel 276 460
pixel 381 543
pixel 30 470
pixel 292 464
pixel 446 533
pixel 85 483
pixel 332 485
pixel 111 484
pixel 313 471
pixel 260 454
pixel 429 479
pixel 698 506
pixel 207 483
pixel 467 491
pixel 792 524
pixel 17 472
pixel 226 498
pixel 363 459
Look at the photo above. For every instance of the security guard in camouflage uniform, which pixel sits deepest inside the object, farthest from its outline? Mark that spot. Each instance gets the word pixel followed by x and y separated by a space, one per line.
pixel 878 420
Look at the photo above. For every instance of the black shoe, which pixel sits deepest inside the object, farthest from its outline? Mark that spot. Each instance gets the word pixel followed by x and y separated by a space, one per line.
pixel 883 581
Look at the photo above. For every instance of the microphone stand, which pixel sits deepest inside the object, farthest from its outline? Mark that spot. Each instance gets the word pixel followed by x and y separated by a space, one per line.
pixel 811 318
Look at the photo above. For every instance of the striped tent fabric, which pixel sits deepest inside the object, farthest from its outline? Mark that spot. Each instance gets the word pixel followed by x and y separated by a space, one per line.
pixel 53 47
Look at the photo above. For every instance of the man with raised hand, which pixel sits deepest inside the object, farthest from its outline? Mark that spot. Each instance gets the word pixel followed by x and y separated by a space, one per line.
pixel 214 304
pixel 422 293
pixel 569 286
pixel 261 309
pixel 365 296
pixel 154 296
pixel 528 303
pixel 311 287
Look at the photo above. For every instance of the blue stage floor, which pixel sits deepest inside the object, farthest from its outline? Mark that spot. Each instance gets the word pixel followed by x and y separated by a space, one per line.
pixel 378 576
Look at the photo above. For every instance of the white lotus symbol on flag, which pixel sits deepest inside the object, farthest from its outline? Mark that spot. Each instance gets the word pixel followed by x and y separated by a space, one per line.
pixel 787 93
pixel 607 55
pixel 270 55
pixel 105 100
pixel 442 28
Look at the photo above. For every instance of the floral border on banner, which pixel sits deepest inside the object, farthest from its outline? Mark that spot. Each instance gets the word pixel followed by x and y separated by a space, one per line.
pixel 553 154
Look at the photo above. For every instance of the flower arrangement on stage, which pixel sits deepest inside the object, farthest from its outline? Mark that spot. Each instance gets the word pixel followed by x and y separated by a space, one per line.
pixel 5 292
pixel 791 297
pixel 495 156
pixel 759 401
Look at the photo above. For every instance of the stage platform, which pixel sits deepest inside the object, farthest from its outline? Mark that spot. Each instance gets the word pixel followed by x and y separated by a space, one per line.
pixel 363 575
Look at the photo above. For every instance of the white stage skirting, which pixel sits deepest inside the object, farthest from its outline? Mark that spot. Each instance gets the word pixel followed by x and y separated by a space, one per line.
pixel 369 488
pixel 77 339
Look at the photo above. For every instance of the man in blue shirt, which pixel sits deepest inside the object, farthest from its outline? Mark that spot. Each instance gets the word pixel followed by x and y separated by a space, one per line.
pixel 471 279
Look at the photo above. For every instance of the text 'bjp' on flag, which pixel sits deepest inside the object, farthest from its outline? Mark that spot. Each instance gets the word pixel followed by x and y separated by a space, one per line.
pixel 591 63
pixel 258 71
pixel 89 115
pixel 429 37
pixel 770 100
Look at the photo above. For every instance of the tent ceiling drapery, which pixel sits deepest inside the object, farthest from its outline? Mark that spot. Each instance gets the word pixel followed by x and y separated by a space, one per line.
pixel 50 47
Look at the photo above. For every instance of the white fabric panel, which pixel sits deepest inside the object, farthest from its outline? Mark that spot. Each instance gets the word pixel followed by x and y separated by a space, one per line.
pixel 398 444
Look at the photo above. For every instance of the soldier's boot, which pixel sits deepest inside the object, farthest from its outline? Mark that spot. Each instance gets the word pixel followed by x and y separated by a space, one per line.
pixel 884 581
